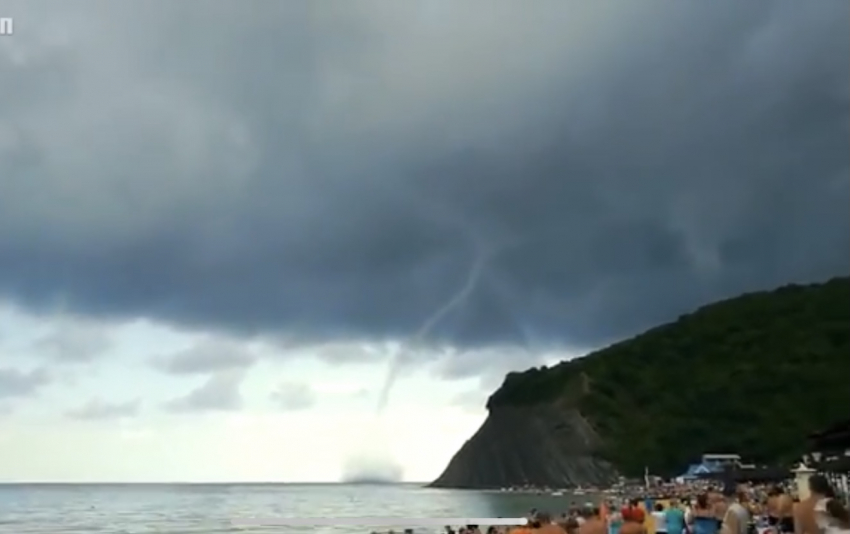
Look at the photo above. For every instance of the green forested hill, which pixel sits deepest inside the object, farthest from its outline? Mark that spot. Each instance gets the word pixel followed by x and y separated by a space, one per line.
pixel 753 375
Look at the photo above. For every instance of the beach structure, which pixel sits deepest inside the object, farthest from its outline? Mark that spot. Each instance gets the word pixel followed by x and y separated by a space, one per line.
pixel 696 471
pixel 710 464
pixel 832 442
pixel 829 454
pixel 802 474
pixel 721 461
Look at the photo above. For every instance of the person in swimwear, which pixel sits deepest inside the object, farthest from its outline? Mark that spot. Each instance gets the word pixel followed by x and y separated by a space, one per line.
pixel 615 521
pixel 780 510
pixel 839 517
pixel 675 518
pixel 737 519
pixel 593 523
pixel 772 506
pixel 688 507
pixel 569 523
pixel 718 504
pixel 659 518
pixel 633 519
pixel 545 525
pixel 807 516
pixel 786 513
pixel 633 512
pixel 703 519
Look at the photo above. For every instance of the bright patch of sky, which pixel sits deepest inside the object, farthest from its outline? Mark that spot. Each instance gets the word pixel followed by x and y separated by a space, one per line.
pixel 269 413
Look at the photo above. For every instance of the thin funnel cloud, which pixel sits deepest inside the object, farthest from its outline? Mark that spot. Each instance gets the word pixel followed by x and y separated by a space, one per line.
pixel 456 300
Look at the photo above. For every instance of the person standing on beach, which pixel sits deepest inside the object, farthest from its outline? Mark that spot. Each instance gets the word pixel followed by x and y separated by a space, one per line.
pixel 688 508
pixel 786 512
pixel 718 506
pixel 593 523
pixel 632 512
pixel 839 517
pixel 780 510
pixel 572 524
pixel 804 514
pixel 615 521
pixel 810 515
pixel 633 519
pixel 703 519
pixel 772 506
pixel 579 514
pixel 736 519
pixel 659 519
pixel 544 525
pixel 674 518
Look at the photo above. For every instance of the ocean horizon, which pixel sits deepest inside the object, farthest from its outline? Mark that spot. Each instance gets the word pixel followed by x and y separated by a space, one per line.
pixel 247 507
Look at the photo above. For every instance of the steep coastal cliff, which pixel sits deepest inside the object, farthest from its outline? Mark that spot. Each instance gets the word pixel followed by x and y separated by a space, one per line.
pixel 753 375
pixel 546 445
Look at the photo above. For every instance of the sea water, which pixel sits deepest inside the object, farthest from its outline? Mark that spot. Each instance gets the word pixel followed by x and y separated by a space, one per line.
pixel 212 508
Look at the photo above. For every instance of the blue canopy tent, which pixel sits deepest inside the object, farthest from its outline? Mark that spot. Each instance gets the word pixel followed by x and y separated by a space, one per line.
pixel 698 471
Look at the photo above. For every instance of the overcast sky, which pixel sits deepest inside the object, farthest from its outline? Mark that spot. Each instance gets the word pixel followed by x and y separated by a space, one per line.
pixel 220 220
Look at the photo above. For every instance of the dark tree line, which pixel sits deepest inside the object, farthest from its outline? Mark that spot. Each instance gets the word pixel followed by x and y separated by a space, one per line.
pixel 753 375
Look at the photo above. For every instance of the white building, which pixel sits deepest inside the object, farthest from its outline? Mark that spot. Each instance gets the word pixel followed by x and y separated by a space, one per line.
pixel 721 461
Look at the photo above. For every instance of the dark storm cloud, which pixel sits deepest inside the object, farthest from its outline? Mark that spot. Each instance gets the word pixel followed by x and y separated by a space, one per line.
pixel 219 393
pixel 97 409
pixel 324 170
pixel 489 366
pixel 73 342
pixel 294 396
pixel 209 356
pixel 16 384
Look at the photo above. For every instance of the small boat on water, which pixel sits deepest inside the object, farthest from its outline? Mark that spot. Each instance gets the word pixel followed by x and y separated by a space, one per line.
pixel 557 494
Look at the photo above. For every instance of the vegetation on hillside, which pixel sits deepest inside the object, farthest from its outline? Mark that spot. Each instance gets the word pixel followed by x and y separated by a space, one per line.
pixel 753 375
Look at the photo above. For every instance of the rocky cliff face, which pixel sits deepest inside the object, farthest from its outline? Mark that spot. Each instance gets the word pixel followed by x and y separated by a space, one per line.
pixel 548 445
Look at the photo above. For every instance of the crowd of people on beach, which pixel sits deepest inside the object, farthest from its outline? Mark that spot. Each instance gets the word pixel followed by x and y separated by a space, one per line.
pixel 700 508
